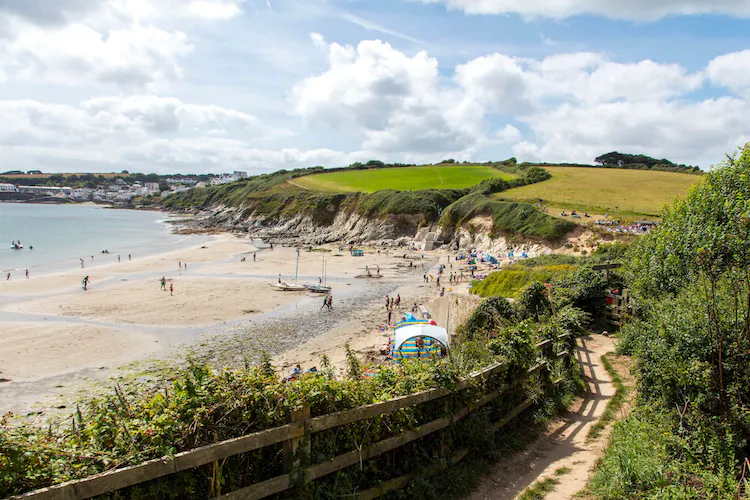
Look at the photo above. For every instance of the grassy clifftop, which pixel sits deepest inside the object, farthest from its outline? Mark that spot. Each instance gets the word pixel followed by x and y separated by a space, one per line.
pixel 281 194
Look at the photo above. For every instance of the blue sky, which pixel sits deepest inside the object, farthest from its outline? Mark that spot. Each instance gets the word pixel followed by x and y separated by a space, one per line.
pixel 258 85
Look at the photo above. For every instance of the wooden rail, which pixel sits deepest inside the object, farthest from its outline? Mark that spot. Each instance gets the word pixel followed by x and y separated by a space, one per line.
pixel 295 432
pixel 618 308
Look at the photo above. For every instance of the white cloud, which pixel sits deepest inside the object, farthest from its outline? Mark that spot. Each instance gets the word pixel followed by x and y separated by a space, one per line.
pixel 731 71
pixel 509 134
pixel 151 129
pixel 213 9
pixel 134 57
pixel 639 10
pixel 114 42
pixel 697 132
pixel 399 102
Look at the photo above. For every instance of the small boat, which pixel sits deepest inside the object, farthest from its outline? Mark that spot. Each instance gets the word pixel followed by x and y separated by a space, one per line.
pixel 289 287
pixel 316 288
pixel 16 246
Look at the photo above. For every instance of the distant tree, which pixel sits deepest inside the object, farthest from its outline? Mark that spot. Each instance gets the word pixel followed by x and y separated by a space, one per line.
pixel 449 160
pixel 125 172
pixel 163 186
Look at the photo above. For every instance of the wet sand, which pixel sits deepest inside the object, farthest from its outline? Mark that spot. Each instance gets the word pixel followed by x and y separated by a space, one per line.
pixel 57 339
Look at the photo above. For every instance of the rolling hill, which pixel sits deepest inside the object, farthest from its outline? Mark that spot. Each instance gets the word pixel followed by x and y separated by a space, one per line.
pixel 619 192
pixel 401 178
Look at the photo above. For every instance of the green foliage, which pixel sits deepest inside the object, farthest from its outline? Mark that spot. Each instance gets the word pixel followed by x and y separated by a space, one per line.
pixel 428 203
pixel 650 457
pixel 642 162
pixel 508 218
pixel 691 338
pixel 488 319
pixel 707 233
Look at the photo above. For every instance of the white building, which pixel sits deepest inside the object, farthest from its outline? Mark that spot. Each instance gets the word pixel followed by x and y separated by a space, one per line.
pixel 151 187
pixel 8 188
pixel 237 175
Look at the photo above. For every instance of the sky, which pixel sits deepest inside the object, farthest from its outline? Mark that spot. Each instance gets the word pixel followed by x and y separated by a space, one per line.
pixel 212 86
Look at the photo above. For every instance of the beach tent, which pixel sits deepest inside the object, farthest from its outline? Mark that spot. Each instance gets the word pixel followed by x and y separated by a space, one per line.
pixel 358 253
pixel 426 331
pixel 491 259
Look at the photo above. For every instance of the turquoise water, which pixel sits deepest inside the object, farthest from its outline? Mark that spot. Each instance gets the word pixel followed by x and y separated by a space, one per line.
pixel 62 234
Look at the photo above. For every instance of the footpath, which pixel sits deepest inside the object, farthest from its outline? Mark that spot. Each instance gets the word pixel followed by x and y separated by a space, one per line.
pixel 562 453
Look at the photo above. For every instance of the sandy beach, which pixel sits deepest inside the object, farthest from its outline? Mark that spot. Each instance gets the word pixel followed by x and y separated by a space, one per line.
pixel 57 338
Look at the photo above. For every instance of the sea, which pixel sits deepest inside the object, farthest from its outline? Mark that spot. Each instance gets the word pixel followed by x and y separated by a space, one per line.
pixel 63 234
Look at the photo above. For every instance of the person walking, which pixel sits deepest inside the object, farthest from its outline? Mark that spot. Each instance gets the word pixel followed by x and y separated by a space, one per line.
pixel 171 289
pixel 253 256
pixel 118 258
pixel 390 316
pixel 279 277
pixel 398 300
pixel 330 302
pixel 130 257
pixel 81 263
pixel 387 301
pixel 27 274
pixel 8 277
pixel 163 283
pixel 325 303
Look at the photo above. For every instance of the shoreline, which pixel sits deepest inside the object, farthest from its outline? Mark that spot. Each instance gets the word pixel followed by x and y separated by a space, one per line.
pixel 60 340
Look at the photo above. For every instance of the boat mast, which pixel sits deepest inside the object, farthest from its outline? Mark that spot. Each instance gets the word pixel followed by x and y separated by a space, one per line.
pixel 296 269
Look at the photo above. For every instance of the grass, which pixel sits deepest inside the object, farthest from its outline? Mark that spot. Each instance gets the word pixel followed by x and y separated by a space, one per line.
pixel 618 192
pixel 402 178
pixel 614 404
pixel 511 281
pixel 539 490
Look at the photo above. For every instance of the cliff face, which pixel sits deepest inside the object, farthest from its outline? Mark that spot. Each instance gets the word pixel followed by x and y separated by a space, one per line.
pixel 350 227
pixel 347 226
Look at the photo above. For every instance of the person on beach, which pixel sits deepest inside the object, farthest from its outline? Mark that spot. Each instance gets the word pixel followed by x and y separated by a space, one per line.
pixel 164 283
pixel 442 291
pixel 242 259
pixel 171 289
pixel 279 277
pixel 8 278
pixel 398 300
pixel 392 302
pixel 414 308
pixel 81 263
pixel 330 302
pixel 185 266
pixel 118 258
pixel 390 316
pixel 180 264
pixel 253 256
pixel 325 303
pixel 130 257
pixel 425 278
pixel 387 301
pixel 27 274
pixel 378 270
pixel 85 283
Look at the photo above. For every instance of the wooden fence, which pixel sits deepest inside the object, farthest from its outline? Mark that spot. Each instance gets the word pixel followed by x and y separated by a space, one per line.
pixel 618 308
pixel 295 439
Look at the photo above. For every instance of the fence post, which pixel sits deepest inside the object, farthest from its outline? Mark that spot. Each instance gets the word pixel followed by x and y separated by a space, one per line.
pixel 297 450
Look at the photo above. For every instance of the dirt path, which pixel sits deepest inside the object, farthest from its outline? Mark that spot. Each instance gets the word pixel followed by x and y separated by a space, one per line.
pixel 563 448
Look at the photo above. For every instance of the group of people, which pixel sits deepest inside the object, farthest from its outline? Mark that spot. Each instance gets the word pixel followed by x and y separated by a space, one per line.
pixel 327 302
pixel 391 304
pixel 243 259
pixel 163 282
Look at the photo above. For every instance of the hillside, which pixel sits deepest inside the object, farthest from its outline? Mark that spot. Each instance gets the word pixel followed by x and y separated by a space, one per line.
pixel 402 178
pixel 619 192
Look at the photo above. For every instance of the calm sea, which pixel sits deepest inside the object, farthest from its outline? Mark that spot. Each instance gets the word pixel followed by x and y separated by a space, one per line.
pixel 62 234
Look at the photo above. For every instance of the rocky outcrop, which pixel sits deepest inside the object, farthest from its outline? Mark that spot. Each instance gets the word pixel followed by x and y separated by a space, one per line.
pixel 348 227
pixel 352 228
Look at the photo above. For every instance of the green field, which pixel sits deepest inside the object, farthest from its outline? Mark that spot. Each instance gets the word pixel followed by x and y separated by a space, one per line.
pixel 604 190
pixel 402 178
